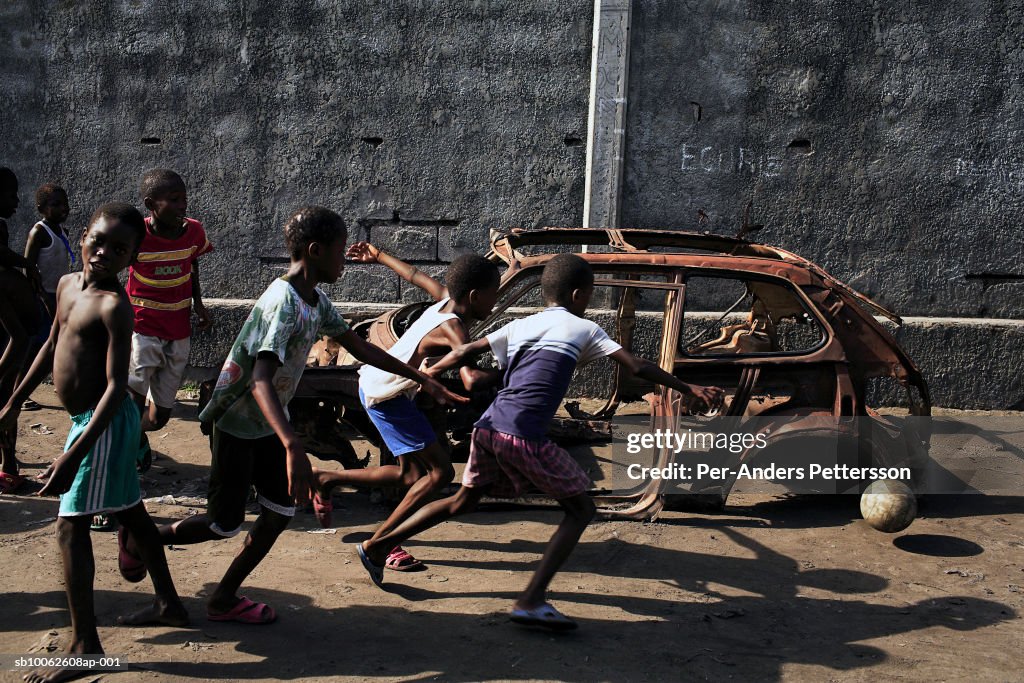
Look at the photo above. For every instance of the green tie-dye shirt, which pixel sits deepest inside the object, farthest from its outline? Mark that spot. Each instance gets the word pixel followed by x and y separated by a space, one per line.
pixel 280 323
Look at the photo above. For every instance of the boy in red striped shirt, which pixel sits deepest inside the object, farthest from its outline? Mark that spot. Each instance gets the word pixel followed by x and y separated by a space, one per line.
pixel 163 285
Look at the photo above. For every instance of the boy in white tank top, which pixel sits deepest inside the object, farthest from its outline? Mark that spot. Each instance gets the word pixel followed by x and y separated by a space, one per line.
pixel 424 466
pixel 48 246
pixel 48 249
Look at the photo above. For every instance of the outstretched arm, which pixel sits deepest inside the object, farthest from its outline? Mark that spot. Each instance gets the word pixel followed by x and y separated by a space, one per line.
pixel 118 320
pixel 641 367
pixel 454 335
pixel 460 355
pixel 378 357
pixel 364 252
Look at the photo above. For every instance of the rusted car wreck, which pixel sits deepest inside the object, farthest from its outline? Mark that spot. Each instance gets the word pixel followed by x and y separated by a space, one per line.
pixel 786 340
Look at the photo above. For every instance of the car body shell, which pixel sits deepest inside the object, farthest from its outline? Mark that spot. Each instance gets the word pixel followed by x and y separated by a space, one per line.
pixel 821 390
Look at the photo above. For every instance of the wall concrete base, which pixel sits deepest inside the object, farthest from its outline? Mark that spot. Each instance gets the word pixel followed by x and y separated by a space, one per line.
pixel 967 362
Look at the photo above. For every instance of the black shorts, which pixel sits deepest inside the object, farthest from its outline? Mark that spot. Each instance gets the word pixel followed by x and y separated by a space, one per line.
pixel 237 465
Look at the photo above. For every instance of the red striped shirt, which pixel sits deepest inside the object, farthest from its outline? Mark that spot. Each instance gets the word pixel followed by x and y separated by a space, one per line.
pixel 160 282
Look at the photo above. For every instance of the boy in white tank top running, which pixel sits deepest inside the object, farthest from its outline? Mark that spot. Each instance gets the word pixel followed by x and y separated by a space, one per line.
pixel 424 466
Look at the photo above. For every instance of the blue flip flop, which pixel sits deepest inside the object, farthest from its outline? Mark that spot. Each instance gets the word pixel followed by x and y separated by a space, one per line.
pixel 544 616
pixel 376 573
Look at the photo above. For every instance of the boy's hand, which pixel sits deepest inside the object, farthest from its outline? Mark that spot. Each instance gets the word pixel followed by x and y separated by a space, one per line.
pixel 440 394
pixel 61 478
pixel 363 252
pixel 709 398
pixel 205 321
pixel 301 481
pixel 426 366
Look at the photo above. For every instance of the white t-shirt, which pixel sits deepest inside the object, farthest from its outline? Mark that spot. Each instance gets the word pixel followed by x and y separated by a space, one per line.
pixel 539 355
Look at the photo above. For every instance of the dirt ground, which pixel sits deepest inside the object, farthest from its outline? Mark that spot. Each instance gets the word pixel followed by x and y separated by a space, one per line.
pixel 775 587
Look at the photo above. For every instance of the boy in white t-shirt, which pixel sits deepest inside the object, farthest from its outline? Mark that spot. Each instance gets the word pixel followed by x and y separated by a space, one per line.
pixel 510 450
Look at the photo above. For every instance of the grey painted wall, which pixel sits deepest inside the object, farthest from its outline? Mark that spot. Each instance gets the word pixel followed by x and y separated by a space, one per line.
pixel 423 123
pixel 882 140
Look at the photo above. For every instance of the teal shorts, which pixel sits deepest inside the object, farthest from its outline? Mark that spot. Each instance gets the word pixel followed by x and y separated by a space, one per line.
pixel 107 479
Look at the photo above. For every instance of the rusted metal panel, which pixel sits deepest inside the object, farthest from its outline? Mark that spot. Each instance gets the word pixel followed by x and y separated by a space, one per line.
pixel 829 378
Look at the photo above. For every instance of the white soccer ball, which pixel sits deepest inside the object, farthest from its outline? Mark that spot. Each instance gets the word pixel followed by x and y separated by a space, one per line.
pixel 888 505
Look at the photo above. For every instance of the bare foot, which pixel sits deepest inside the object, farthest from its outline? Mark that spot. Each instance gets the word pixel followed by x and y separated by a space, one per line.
pixel 55 675
pixel 159 612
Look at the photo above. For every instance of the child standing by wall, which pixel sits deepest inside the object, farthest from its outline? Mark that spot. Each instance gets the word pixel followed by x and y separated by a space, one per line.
pixel 88 352
pixel 48 249
pixel 163 286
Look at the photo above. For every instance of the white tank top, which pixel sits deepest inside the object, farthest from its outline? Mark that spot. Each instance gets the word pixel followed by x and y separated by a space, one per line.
pixel 53 261
pixel 379 385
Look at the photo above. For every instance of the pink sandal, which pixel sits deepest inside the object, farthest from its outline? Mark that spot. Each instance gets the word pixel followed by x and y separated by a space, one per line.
pixel 400 560
pixel 247 611
pixel 9 483
pixel 323 508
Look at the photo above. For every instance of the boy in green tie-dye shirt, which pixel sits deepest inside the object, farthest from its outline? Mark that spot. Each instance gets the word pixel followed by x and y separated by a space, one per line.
pixel 253 443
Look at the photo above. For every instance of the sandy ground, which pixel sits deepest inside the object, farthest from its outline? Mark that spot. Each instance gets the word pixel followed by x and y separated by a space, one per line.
pixel 776 587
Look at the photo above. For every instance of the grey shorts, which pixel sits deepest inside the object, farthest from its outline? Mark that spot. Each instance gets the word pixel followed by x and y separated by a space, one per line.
pixel 157 366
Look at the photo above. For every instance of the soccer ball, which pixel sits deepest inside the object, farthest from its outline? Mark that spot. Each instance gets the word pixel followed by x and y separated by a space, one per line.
pixel 888 505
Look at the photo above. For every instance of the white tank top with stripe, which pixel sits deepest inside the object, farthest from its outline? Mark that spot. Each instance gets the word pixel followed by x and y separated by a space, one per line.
pixel 379 385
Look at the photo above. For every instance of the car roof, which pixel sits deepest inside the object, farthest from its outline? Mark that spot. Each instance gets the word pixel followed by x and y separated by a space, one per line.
pixel 674 248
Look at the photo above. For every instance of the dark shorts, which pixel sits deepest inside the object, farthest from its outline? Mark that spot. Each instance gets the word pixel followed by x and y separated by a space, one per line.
pixel 237 465
pixel 507 466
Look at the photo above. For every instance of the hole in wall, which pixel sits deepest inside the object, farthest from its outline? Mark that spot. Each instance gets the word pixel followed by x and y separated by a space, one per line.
pixel 150 141
pixel 799 146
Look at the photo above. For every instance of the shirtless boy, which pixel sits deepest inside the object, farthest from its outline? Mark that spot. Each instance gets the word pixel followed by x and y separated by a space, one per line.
pixel 88 351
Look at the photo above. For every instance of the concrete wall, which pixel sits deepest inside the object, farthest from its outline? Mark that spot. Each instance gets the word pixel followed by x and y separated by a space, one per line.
pixel 882 140
pixel 423 123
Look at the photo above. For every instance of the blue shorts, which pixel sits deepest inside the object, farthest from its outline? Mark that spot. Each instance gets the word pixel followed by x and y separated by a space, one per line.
pixel 401 424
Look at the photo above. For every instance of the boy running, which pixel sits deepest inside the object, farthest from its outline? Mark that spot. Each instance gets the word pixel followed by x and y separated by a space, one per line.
pixel 510 451
pixel 88 352
pixel 424 466
pixel 253 443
